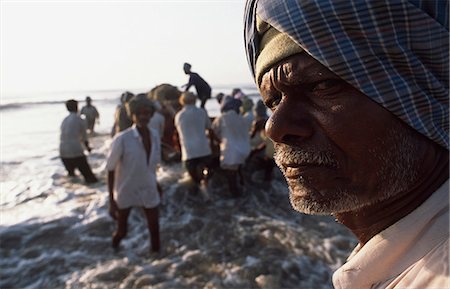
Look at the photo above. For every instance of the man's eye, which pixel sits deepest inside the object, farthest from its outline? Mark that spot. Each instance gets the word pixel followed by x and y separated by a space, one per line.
pixel 327 87
pixel 272 101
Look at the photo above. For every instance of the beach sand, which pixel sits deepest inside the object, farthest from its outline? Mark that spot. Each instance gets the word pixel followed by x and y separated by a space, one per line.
pixel 56 233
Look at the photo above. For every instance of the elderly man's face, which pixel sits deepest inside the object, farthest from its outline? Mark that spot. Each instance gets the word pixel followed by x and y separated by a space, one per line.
pixel 338 150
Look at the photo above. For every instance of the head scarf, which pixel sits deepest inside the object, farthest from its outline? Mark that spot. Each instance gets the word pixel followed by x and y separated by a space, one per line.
pixel 394 51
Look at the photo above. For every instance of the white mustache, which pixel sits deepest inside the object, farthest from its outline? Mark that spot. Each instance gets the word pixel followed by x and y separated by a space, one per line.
pixel 287 156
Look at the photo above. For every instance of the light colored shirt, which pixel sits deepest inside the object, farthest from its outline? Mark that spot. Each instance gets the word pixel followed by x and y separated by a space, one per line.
pixel 412 253
pixel 72 136
pixel 135 175
pixel 157 122
pixel 232 130
pixel 191 123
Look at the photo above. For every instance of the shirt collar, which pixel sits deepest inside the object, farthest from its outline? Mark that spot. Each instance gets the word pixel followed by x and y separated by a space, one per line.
pixel 135 131
pixel 392 251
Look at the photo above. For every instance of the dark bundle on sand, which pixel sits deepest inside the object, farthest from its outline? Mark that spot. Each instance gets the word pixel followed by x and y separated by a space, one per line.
pixel 168 95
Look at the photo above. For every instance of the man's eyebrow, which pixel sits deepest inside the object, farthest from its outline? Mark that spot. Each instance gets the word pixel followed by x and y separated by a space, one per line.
pixel 290 73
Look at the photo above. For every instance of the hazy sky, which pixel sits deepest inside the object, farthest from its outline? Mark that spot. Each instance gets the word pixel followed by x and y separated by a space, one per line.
pixel 87 45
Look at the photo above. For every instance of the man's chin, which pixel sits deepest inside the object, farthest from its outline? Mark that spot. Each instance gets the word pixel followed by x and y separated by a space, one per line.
pixel 310 201
pixel 308 207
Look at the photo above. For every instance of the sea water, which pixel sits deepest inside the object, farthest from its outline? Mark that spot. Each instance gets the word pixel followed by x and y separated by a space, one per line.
pixel 55 232
pixel 29 124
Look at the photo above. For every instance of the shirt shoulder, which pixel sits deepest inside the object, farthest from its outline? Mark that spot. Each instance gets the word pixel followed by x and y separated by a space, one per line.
pixel 125 134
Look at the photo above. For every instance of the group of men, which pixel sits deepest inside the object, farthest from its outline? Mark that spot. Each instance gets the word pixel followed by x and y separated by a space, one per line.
pixel 198 134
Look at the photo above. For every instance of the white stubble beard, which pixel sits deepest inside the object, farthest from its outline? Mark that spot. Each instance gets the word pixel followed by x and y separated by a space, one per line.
pixel 399 170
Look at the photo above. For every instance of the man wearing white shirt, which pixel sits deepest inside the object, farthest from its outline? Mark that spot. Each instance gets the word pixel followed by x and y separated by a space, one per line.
pixel 72 138
pixel 132 161
pixel 232 132
pixel 192 124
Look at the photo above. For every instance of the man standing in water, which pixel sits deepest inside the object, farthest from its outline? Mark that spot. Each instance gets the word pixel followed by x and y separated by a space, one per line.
pixel 194 129
pixel 72 138
pixel 90 113
pixel 231 132
pixel 359 99
pixel 202 87
pixel 131 164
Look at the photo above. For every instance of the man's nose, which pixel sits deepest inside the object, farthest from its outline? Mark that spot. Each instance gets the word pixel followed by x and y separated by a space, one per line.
pixel 289 124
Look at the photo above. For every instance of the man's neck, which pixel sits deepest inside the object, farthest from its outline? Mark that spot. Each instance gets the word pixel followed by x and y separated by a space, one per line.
pixel 371 220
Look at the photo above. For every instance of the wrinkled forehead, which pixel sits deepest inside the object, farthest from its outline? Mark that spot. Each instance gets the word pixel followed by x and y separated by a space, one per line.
pixel 395 52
